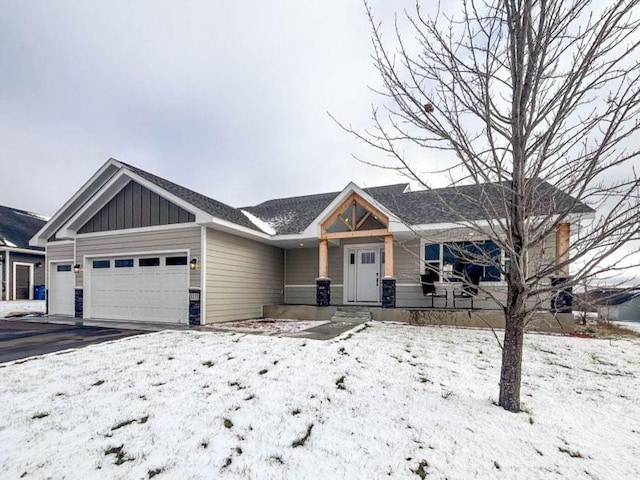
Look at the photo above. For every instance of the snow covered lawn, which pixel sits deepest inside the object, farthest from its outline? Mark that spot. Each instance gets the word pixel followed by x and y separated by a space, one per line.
pixel 34 306
pixel 388 401
pixel 269 326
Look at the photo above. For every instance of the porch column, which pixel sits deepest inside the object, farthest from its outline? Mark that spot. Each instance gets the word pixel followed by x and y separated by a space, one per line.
pixel 388 282
pixel 562 302
pixel 562 248
pixel 323 282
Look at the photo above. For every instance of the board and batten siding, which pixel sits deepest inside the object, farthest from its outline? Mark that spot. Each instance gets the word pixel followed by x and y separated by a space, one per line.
pixel 138 243
pixel 242 275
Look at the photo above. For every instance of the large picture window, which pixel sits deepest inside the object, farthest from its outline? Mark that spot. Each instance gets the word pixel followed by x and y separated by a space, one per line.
pixel 456 260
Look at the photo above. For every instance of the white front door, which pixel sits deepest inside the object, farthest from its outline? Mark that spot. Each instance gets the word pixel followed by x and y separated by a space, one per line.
pixel 62 283
pixel 367 281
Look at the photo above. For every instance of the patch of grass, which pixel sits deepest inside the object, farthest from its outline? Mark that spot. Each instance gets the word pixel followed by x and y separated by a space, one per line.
pixel 421 470
pixel 120 453
pixel 129 422
pixel 227 462
pixel 446 394
pixel 154 472
pixel 61 394
pixel 340 383
pixel 228 423
pixel 40 415
pixel 571 453
pixel 302 440
pixel 157 384
pixel 263 371
pixel 496 464
pixel 295 411
pixel 277 459
pixel 250 397
pixel 343 351
pixel 204 444
pixel 208 364
pixel 170 358
pixel 238 450
pixel 98 383
pixel 275 362
pixel 139 362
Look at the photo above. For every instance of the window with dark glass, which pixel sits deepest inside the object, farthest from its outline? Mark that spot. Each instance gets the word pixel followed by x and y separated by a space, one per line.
pixel 101 263
pixel 171 261
pixel 124 263
pixel 63 268
pixel 149 262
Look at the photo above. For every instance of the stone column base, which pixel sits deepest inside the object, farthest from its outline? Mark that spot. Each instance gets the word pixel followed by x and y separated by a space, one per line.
pixel 194 306
pixel 79 303
pixel 323 292
pixel 388 292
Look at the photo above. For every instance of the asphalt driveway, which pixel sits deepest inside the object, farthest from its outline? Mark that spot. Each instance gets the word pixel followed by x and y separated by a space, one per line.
pixel 19 339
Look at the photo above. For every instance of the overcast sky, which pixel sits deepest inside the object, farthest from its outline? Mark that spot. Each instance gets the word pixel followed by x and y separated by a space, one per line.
pixel 227 98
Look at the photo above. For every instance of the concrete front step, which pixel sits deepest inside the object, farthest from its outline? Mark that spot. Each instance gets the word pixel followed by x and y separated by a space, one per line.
pixel 351 314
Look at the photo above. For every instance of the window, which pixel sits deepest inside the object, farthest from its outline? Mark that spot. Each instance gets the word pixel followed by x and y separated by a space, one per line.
pixel 455 260
pixel 171 261
pixel 63 268
pixel 101 263
pixel 149 262
pixel 124 263
pixel 367 258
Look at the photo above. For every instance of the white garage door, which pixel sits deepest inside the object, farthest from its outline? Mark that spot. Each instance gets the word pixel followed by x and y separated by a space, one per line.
pixel 146 288
pixel 62 282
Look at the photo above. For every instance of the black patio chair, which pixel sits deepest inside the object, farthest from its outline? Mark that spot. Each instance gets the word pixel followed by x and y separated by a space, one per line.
pixel 429 287
pixel 470 288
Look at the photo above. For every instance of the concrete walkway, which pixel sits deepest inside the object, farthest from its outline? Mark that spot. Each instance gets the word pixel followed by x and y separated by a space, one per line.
pixel 328 330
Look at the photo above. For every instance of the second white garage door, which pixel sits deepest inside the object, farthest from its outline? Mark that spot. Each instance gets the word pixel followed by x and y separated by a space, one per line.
pixel 146 288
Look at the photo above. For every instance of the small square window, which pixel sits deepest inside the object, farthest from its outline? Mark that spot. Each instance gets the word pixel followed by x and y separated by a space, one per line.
pixel 124 263
pixel 149 262
pixel 102 264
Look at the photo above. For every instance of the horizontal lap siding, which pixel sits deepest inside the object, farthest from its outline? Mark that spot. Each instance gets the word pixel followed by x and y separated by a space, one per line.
pixel 134 243
pixel 302 265
pixel 242 276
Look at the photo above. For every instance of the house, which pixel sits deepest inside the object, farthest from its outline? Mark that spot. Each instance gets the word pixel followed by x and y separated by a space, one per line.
pixel 130 245
pixel 21 266
pixel 618 304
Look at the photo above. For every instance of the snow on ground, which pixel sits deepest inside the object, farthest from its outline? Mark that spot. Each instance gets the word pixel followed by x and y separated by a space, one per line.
pixel 21 306
pixel 385 401
pixel 269 325
pixel 635 326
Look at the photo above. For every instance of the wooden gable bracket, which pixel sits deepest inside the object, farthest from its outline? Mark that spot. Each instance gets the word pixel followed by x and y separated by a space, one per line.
pixel 354 230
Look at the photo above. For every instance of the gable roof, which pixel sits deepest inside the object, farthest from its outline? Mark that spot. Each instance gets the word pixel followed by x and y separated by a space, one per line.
pixel 18 226
pixel 443 205
pixel 207 204
pixel 294 214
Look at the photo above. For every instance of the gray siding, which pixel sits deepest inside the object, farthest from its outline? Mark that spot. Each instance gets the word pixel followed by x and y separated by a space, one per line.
pixel 242 276
pixel 141 242
pixel 58 251
pixel 302 265
pixel 133 207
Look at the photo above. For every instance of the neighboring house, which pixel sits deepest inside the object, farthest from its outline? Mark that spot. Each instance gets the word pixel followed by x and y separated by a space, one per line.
pixel 132 245
pixel 21 266
pixel 617 304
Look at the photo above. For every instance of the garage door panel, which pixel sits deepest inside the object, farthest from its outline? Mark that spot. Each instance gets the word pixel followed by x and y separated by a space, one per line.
pixel 148 293
pixel 61 289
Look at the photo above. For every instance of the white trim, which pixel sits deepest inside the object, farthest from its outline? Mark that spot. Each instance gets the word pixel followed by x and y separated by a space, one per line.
pixel 37 240
pixel 59 242
pixel 126 231
pixel 345 270
pixel 22 250
pixel 203 276
pixel 47 280
pixel 31 277
pixel 312 286
pixel 7 263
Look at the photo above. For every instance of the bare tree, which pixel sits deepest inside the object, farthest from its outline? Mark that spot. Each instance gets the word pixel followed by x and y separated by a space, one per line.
pixel 528 99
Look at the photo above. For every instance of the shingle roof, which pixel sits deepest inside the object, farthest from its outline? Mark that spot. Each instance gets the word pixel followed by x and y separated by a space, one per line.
pixel 445 205
pixel 18 226
pixel 292 215
pixel 204 203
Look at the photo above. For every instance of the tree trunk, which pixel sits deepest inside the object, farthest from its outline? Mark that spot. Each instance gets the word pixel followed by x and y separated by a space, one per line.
pixel 511 371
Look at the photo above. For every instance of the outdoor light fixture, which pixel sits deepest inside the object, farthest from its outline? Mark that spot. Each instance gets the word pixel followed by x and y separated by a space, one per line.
pixel 193 264
pixel 76 268
pixel 38 264
pixel 302 244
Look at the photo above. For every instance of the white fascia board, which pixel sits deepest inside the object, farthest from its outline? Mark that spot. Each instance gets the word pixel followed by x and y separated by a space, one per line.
pixel 240 231
pixel 48 229
pixel 111 189
pixel 22 250
pixel 313 230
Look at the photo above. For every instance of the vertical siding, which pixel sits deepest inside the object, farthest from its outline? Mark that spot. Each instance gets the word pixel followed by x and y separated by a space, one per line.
pixel 135 206
pixel 242 276
pixel 140 242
